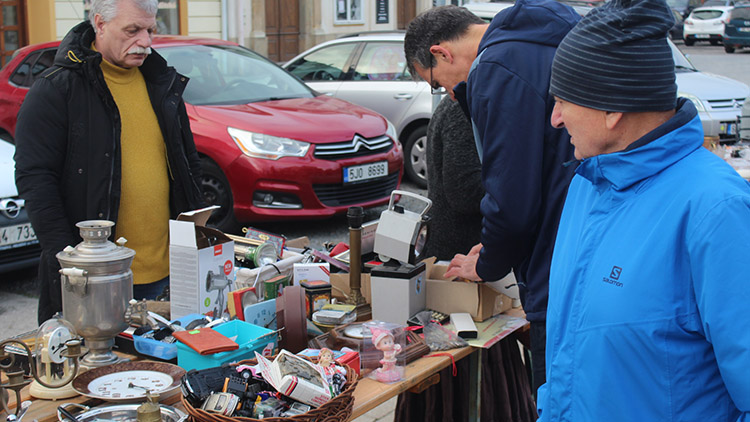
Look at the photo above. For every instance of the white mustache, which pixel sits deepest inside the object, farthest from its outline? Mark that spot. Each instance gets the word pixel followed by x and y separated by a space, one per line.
pixel 140 50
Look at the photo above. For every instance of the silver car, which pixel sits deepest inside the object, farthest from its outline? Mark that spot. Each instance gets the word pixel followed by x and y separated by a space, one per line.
pixel 718 99
pixel 369 69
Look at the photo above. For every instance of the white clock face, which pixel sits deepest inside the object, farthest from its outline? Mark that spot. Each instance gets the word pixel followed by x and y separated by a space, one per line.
pixel 129 384
pixel 56 344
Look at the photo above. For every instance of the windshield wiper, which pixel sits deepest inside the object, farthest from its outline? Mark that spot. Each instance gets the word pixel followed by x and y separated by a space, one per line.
pixel 692 69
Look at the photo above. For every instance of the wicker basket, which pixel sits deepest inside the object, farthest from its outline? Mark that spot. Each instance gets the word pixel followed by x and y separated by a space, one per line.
pixel 338 409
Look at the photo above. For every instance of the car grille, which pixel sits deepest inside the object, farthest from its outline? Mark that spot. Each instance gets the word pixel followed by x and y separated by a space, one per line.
pixel 340 194
pixel 357 147
pixel 728 104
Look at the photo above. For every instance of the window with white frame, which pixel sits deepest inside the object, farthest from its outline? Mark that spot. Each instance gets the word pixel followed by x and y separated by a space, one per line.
pixel 348 11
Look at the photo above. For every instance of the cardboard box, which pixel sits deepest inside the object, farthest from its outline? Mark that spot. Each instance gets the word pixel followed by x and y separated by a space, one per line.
pixel 340 286
pixel 296 378
pixel 312 272
pixel 201 265
pixel 477 299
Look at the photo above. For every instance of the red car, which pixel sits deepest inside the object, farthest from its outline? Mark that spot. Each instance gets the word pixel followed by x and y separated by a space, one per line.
pixel 272 148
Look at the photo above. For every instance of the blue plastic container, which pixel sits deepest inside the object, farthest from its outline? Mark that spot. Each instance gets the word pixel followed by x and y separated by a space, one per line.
pixel 160 349
pixel 251 338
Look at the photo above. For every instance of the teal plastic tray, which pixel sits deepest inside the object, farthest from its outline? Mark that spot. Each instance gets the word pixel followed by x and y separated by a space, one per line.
pixel 251 338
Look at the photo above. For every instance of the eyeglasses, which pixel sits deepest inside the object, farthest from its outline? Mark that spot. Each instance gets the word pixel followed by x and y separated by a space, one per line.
pixel 435 88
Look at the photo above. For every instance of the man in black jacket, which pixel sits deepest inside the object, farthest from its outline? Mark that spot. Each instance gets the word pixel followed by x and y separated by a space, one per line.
pixel 89 147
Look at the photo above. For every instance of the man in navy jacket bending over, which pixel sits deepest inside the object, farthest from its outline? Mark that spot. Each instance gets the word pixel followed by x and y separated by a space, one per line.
pixel 500 73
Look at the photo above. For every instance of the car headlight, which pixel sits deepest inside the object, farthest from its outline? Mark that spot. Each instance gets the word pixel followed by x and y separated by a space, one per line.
pixel 391 131
pixel 260 145
pixel 695 100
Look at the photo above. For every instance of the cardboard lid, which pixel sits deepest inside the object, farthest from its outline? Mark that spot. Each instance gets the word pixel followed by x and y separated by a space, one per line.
pixel 199 217
pixel 405 271
pixel 315 284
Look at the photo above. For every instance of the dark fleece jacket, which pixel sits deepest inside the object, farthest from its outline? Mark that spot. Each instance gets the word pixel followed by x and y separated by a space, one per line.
pixel 454 184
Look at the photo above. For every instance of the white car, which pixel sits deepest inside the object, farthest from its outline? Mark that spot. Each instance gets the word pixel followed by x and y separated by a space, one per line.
pixel 705 24
pixel 19 246
pixel 369 70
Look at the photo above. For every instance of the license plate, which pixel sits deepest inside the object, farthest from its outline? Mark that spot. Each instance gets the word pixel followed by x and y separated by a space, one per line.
pixel 744 29
pixel 13 235
pixel 702 36
pixel 365 172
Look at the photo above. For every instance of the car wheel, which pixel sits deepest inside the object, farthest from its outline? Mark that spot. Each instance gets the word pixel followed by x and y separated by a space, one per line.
pixel 415 157
pixel 728 48
pixel 689 42
pixel 216 191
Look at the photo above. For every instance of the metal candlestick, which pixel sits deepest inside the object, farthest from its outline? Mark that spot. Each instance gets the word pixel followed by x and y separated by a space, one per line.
pixel 354 216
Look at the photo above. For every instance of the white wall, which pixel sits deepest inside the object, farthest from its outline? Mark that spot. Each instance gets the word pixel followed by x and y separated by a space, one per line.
pixel 68 13
pixel 204 18
pixel 329 29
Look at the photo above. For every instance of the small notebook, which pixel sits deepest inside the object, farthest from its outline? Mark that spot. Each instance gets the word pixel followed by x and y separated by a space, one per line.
pixel 206 341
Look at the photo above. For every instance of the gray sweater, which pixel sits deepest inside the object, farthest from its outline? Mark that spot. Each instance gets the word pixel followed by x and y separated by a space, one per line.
pixel 454 184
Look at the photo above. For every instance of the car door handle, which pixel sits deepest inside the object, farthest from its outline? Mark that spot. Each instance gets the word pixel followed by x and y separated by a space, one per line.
pixel 403 96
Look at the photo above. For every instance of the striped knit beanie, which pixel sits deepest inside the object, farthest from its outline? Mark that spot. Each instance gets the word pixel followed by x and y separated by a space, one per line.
pixel 617 59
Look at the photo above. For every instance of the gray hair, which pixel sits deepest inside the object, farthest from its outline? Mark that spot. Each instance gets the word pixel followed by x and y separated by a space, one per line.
pixel 108 8
pixel 444 23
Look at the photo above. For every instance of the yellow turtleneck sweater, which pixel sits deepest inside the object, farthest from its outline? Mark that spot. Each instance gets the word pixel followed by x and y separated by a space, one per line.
pixel 143 217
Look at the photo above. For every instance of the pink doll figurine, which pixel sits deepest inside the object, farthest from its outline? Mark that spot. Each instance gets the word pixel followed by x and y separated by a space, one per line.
pixel 384 341
pixel 325 360
pixel 330 370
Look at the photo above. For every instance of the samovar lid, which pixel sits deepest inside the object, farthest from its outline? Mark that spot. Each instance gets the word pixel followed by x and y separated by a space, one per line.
pixel 95 248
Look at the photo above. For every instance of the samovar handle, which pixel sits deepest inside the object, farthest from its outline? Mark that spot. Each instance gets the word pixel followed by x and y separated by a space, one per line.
pixel 74 272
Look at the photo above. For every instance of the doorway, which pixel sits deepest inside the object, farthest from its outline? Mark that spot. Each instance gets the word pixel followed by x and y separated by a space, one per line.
pixel 406 11
pixel 12 28
pixel 282 29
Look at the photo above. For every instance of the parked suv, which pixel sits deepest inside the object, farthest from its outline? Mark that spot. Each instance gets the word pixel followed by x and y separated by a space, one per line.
pixel 705 24
pixel 737 29
pixel 369 69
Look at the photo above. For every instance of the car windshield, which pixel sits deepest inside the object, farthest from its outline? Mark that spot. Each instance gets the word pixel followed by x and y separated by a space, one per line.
pixel 741 13
pixel 681 63
pixel 227 74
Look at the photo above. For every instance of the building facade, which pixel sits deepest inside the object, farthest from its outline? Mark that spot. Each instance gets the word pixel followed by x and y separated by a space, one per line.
pixel 278 29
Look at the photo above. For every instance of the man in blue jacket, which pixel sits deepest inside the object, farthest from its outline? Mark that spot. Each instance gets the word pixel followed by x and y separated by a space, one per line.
pixel 649 290
pixel 501 72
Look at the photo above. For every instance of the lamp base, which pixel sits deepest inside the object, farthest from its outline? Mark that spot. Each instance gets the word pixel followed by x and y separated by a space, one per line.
pixel 41 392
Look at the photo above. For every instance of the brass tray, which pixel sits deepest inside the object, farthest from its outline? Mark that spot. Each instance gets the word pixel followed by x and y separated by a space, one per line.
pixel 128 381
